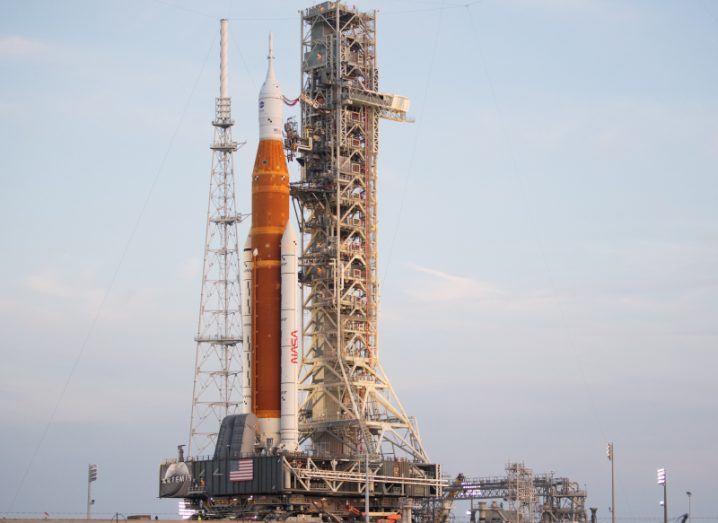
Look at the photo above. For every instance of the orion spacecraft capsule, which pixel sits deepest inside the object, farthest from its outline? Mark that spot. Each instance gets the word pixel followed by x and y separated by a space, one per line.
pixel 269 283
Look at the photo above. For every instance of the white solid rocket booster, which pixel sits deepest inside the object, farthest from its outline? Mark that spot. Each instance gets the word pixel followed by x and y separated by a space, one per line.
pixel 245 283
pixel 289 428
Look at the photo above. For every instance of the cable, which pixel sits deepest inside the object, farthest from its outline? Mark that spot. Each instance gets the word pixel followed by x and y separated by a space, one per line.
pixel 186 9
pixel 523 193
pixel 100 307
pixel 571 342
pixel 210 15
pixel 443 7
pixel 429 9
pixel 244 62
pixel 414 147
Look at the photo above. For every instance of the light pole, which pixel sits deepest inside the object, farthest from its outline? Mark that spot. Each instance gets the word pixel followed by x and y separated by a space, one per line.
pixel 611 458
pixel 91 476
pixel 661 475
pixel 689 494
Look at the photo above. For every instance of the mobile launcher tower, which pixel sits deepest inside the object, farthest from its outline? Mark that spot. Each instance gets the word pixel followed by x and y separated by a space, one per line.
pixel 322 437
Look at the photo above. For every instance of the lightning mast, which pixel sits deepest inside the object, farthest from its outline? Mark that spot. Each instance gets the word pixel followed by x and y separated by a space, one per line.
pixel 217 388
pixel 350 407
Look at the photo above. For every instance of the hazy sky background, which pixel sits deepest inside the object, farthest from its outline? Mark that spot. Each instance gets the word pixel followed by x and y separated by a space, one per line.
pixel 549 235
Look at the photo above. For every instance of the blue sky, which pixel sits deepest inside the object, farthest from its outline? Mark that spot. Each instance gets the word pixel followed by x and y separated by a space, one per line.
pixel 548 233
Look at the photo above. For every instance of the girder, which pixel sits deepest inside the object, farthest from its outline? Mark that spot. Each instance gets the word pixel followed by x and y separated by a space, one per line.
pixel 217 380
pixel 349 405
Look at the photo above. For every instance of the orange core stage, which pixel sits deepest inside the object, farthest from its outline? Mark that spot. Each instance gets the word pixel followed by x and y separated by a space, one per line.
pixel 270 214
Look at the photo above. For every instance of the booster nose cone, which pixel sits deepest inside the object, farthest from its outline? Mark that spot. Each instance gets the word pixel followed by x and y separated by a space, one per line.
pixel 270 102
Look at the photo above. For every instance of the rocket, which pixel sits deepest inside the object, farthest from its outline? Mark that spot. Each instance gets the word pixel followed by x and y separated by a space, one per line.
pixel 269 283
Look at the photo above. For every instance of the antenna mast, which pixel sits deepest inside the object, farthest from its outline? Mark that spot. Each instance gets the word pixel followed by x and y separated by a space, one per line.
pixel 217 383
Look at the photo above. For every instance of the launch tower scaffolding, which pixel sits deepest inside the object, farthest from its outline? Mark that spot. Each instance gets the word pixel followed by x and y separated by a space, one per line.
pixel 349 406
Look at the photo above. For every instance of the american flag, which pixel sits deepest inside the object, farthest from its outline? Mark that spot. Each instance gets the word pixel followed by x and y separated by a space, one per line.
pixel 243 470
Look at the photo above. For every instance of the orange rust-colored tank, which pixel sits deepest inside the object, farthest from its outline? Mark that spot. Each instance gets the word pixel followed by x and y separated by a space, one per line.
pixel 270 214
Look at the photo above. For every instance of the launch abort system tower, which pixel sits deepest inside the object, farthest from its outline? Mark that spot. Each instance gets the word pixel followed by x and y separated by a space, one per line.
pixel 350 406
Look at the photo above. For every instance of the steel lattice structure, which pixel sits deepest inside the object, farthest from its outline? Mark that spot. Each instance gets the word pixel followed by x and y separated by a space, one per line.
pixel 349 406
pixel 217 380
pixel 531 497
pixel 521 494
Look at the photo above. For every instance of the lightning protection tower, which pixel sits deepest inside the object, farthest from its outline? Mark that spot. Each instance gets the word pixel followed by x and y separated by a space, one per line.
pixel 349 407
pixel 217 380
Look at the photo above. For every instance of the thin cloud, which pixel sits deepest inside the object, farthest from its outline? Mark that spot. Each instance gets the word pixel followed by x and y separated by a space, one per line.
pixel 50 284
pixel 56 296
pixel 444 286
pixel 190 269
pixel 15 46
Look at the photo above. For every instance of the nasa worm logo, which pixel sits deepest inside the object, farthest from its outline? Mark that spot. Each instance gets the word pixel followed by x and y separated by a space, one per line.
pixel 294 348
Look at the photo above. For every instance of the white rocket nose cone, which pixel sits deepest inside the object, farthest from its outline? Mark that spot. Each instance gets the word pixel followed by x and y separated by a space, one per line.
pixel 270 102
